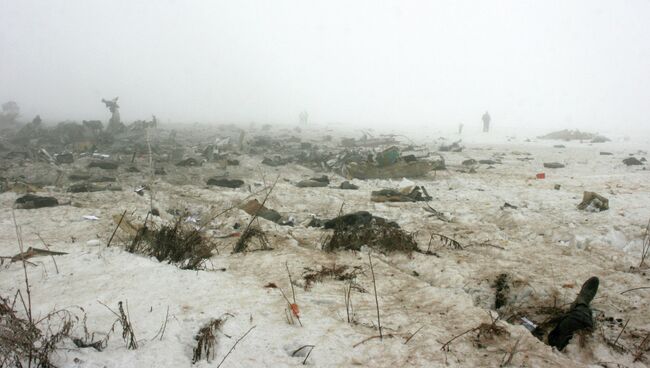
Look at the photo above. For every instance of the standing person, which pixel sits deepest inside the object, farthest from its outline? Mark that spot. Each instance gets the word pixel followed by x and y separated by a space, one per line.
pixel 460 128
pixel 304 118
pixel 486 122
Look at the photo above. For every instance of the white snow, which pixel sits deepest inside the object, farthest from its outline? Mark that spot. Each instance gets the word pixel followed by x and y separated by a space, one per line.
pixel 546 245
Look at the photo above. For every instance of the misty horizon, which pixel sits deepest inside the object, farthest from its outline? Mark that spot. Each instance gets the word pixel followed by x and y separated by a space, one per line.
pixel 536 66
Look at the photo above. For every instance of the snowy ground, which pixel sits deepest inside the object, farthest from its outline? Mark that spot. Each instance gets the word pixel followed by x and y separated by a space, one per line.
pixel 546 246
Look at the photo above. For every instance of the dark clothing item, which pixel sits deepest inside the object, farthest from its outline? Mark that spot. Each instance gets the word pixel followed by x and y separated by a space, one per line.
pixel 578 318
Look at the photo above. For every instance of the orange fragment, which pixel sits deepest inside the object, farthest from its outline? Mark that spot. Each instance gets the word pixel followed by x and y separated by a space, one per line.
pixel 295 310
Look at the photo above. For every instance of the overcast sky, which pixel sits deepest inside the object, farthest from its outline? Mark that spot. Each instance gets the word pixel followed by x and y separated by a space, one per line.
pixel 530 63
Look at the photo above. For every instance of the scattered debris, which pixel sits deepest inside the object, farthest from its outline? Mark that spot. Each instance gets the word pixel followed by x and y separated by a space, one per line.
pixel 454 147
pixel 574 135
pixel 632 161
pixel 255 208
pixel 322 181
pixel 352 231
pixel 348 186
pixel 189 162
pixel 31 201
pixel 89 187
pixel 553 165
pixel 593 202
pixel 409 194
pixel 33 252
pixel 105 165
pixel 225 182
pixel 64 158
pixel 508 205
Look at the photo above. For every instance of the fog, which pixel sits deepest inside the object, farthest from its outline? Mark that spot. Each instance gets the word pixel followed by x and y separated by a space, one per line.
pixel 531 64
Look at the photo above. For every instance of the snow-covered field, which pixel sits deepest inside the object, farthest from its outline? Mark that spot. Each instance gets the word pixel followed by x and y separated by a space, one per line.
pixel 547 247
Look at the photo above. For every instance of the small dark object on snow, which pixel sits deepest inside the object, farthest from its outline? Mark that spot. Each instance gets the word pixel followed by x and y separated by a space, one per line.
pixel 83 188
pixel 132 169
pixel 454 147
pixel 64 158
pixel 606 153
pixel 350 219
pixel 553 165
pixel 316 222
pixel 508 205
pixel 502 287
pixel 409 158
pixel 189 162
pixel 160 171
pixel 225 182
pixel 630 161
pixel 31 201
pixel 593 202
pixel 347 185
pixel 314 182
pixel 579 316
pixel 488 162
pixel 232 162
pixel 254 207
pixel 97 345
pixel 417 194
pixel 559 146
pixel 103 179
pixel 78 176
pixel 469 162
pixel 89 187
pixel 275 161
pixel 557 187
pixel 106 165
pixel 600 139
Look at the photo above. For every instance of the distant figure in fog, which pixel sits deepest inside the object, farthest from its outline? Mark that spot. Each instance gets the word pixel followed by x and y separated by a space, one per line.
pixel 486 122
pixel 460 128
pixel 304 118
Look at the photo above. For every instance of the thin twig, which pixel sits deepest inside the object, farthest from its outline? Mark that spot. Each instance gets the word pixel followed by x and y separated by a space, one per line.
pixel 116 227
pixel 374 284
pixel 638 288
pixel 445 346
pixel 620 333
pixel 293 292
pixel 410 337
pixel 233 347
pixel 161 331
pixel 308 354
pixel 51 255
pixel 371 338
pixel 20 246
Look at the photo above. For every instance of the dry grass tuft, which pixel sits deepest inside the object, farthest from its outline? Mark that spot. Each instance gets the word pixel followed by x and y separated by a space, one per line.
pixel 177 243
pixel 378 234
pixel 254 236
pixel 24 342
pixel 206 340
pixel 339 273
